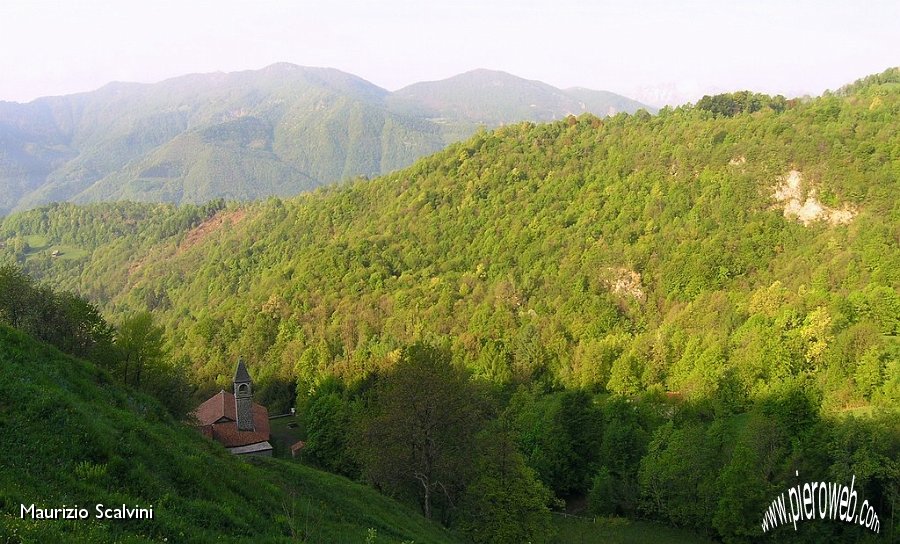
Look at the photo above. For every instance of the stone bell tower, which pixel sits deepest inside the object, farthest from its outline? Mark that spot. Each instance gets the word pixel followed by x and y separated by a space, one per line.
pixel 243 397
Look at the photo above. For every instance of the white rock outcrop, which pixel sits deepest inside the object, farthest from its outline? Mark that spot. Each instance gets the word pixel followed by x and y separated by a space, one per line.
pixel 789 192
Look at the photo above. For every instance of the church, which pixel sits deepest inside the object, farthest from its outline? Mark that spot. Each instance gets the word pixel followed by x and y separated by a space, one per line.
pixel 235 420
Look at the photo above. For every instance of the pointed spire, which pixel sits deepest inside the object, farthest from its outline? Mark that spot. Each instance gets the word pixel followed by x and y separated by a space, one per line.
pixel 241 375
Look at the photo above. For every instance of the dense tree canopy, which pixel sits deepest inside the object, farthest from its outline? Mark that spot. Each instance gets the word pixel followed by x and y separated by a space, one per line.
pixel 715 286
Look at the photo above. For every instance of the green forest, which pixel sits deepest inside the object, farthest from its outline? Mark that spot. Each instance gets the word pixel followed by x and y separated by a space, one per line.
pixel 244 135
pixel 669 318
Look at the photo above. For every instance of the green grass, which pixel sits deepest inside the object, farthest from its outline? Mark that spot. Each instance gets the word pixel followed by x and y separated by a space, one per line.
pixel 69 252
pixel 284 436
pixel 620 531
pixel 37 242
pixel 858 411
pixel 70 435
pixel 335 509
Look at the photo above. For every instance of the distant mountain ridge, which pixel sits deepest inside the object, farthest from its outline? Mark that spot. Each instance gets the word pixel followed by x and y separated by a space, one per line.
pixel 251 134
pixel 488 96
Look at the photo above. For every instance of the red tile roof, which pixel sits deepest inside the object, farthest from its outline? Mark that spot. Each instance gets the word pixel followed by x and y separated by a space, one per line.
pixel 215 408
pixel 218 421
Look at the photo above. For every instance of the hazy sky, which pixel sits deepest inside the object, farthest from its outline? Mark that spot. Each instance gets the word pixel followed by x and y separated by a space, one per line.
pixel 651 50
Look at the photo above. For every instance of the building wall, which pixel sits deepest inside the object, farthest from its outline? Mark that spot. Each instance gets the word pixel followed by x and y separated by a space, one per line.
pixel 244 413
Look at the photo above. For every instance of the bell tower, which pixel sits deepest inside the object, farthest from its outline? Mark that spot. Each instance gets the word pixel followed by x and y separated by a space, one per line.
pixel 243 397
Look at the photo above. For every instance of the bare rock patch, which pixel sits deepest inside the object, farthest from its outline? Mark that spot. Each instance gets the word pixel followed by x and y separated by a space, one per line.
pixel 804 206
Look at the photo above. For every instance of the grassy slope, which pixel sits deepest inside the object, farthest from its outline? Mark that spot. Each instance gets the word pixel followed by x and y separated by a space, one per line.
pixel 69 436
pixel 620 531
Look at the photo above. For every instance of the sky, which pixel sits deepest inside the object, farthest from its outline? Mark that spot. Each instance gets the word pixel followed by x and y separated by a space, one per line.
pixel 657 51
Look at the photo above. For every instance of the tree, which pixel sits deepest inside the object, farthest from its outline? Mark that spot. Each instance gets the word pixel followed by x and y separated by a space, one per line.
pixel 146 366
pixel 677 473
pixel 748 480
pixel 559 436
pixel 505 503
pixel 623 444
pixel 141 344
pixel 328 420
pixel 15 292
pixel 67 321
pixel 84 331
pixel 868 373
pixel 420 432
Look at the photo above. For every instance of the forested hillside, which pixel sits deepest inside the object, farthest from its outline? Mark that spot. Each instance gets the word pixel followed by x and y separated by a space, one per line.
pixel 244 135
pixel 669 314
pixel 73 434
pixel 584 236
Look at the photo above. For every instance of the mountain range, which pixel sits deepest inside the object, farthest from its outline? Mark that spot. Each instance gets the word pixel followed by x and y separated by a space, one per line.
pixel 277 131
pixel 571 230
pixel 664 316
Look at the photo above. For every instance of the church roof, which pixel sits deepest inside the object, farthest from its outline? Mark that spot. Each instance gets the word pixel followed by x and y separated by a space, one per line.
pixel 241 375
pixel 252 448
pixel 218 406
pixel 218 420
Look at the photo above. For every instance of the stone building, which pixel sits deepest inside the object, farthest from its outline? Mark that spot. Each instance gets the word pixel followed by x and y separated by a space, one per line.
pixel 235 420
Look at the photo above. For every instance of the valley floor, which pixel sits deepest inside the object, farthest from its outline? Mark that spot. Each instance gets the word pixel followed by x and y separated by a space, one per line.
pixel 576 530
